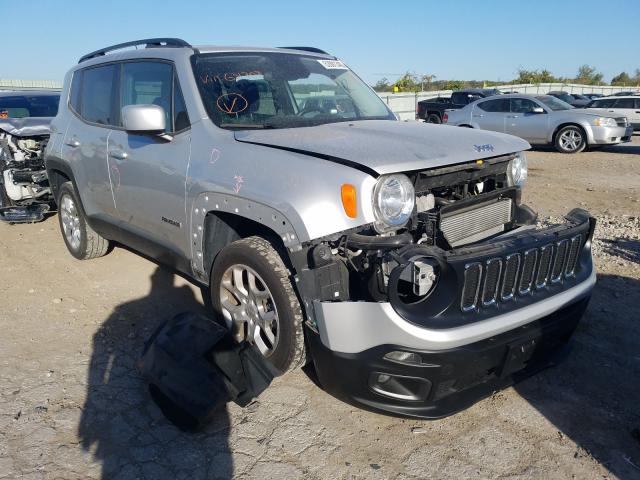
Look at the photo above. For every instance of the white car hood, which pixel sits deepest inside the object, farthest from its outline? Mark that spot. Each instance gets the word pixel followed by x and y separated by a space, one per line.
pixel 384 146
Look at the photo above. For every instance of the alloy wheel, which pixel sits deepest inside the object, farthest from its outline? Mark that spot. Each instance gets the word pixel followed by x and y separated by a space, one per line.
pixel 249 309
pixel 70 221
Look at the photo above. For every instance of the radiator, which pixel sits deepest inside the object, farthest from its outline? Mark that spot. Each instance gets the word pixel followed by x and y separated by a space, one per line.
pixel 475 224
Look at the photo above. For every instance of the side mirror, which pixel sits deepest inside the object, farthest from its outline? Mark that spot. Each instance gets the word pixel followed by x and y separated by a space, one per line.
pixel 537 110
pixel 144 119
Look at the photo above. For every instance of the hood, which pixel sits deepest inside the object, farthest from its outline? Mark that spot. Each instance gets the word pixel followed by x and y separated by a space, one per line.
pixel 26 127
pixel 596 112
pixel 382 146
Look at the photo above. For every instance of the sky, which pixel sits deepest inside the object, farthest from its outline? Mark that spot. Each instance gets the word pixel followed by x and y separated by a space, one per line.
pixel 456 39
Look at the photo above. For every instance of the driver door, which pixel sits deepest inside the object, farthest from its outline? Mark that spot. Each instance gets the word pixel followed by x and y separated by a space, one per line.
pixel 148 173
pixel 523 121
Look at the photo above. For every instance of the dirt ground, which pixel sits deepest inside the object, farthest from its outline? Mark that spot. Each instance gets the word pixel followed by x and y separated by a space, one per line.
pixel 72 405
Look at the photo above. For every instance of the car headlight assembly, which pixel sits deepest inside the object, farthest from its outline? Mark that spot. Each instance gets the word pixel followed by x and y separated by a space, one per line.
pixel 393 200
pixel 605 122
pixel 517 170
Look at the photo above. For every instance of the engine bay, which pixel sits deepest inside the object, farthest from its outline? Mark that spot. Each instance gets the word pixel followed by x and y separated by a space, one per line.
pixel 25 195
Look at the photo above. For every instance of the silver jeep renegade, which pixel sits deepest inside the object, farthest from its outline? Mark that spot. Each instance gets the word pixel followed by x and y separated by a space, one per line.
pixel 397 257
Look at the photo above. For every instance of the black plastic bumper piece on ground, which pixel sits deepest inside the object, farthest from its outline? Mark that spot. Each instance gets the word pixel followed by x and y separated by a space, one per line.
pixel 27 214
pixel 451 380
pixel 194 368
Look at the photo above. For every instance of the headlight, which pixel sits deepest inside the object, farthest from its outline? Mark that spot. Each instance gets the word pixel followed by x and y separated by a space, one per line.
pixel 393 201
pixel 517 170
pixel 605 122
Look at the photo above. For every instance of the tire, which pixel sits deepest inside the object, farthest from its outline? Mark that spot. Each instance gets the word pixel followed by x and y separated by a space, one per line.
pixel 243 316
pixel 81 240
pixel 434 118
pixel 570 139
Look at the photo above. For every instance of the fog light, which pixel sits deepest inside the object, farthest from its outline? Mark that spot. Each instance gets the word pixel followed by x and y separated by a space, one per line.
pixel 400 387
pixel 404 357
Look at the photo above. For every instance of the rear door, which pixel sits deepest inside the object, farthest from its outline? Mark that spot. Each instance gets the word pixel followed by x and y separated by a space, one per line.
pixel 525 123
pixel 491 114
pixel 85 141
pixel 149 172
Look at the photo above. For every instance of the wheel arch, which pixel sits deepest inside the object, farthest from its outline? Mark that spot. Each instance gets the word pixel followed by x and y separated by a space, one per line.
pixel 219 219
pixel 560 126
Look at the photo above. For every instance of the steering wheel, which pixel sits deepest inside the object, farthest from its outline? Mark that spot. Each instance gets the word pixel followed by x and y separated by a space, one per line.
pixel 305 111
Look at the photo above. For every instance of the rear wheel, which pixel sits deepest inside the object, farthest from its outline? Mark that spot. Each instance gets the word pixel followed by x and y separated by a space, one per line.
pixel 434 118
pixel 81 240
pixel 251 293
pixel 570 139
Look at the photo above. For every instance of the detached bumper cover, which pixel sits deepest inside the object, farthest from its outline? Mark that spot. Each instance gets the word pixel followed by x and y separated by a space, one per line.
pixel 446 381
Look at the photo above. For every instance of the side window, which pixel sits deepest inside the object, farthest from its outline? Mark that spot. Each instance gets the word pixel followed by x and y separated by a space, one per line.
pixel 148 83
pixel 522 105
pixel 637 103
pixel 498 105
pixel 74 95
pixel 96 103
pixel 624 103
pixel 606 103
pixel 180 115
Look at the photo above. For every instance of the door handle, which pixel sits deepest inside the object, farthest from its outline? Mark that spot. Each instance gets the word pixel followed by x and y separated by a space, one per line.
pixel 119 155
pixel 72 142
pixel 512 116
pixel 478 116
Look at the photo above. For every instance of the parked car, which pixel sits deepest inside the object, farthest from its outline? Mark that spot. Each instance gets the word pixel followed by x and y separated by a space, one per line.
pixel 543 119
pixel 592 96
pixel 570 99
pixel 432 110
pixel 626 93
pixel 24 132
pixel 399 254
pixel 623 106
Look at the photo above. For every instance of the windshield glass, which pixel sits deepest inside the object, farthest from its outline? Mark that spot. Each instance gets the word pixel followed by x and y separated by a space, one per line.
pixel 554 103
pixel 282 90
pixel 21 106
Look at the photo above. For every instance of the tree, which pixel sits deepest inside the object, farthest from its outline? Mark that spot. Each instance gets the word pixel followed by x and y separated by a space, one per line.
pixel 535 76
pixel 622 79
pixel 382 85
pixel 636 76
pixel 588 75
pixel 409 82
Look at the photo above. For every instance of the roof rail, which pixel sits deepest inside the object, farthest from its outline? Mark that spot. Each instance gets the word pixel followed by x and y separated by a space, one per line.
pixel 148 42
pixel 307 49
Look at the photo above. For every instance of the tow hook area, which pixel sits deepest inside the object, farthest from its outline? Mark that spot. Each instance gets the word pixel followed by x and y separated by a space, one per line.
pixel 194 368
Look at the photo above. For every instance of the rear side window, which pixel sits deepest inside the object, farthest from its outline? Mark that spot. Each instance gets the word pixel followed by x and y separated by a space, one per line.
pixel 624 103
pixel 97 95
pixel 498 105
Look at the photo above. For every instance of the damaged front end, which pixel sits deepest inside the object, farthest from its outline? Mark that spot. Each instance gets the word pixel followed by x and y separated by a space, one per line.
pixel 417 318
pixel 25 195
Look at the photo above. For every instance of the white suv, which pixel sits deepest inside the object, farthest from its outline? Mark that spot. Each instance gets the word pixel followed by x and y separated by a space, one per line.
pixel 628 106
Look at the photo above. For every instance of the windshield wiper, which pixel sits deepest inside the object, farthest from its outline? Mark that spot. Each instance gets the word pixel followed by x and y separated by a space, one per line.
pixel 246 125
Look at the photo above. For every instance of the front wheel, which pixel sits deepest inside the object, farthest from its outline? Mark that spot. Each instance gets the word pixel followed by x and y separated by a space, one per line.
pixel 570 139
pixel 81 240
pixel 251 293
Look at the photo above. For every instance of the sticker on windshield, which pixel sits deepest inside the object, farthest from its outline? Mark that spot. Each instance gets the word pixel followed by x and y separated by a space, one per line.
pixel 333 64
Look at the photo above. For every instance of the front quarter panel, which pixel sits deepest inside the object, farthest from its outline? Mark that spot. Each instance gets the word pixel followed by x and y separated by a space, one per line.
pixel 295 195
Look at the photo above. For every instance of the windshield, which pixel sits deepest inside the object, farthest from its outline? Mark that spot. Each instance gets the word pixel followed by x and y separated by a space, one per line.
pixel 282 90
pixel 21 106
pixel 554 103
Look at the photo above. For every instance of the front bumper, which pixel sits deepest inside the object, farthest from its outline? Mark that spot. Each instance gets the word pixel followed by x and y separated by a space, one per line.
pixel 446 381
pixel 465 353
pixel 610 135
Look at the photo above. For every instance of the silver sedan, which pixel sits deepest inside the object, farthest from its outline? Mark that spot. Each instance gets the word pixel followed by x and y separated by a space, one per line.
pixel 543 120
